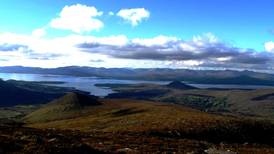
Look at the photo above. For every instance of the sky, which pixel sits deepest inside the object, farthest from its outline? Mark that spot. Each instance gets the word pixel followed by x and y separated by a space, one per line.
pixel 195 34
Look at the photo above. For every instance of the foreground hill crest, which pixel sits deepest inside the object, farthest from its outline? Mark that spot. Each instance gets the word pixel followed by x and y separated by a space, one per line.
pixel 68 106
pixel 76 101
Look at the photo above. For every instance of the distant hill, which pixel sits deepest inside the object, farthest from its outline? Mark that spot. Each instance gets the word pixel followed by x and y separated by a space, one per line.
pixel 145 91
pixel 11 95
pixel 256 102
pixel 29 93
pixel 191 76
pixel 180 85
pixel 70 105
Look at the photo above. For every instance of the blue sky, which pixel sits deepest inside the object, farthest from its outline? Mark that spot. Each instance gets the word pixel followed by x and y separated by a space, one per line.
pixel 241 24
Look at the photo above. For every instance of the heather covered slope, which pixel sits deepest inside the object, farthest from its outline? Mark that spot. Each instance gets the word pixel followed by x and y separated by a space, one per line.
pixel 244 102
pixel 70 105
pixel 156 120
pixel 134 126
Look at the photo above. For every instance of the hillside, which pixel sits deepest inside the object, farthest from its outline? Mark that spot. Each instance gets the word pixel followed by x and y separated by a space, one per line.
pixel 143 126
pixel 180 85
pixel 70 105
pixel 29 93
pixel 12 95
pixel 243 102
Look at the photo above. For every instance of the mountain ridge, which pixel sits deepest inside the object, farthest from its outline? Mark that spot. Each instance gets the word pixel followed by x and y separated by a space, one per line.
pixel 161 74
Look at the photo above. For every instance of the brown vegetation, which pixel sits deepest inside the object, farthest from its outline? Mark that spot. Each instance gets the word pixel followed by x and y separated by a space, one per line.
pixel 142 126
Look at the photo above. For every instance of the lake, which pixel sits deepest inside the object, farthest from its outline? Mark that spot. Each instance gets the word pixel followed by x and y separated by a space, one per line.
pixel 80 83
pixel 88 83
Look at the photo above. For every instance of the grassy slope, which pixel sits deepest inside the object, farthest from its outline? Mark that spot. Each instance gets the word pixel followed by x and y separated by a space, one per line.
pixel 17 112
pixel 239 102
pixel 158 119
pixel 242 102
pixel 69 106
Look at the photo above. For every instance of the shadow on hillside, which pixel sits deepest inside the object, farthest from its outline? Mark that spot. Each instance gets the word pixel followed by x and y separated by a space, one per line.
pixel 243 132
pixel 127 111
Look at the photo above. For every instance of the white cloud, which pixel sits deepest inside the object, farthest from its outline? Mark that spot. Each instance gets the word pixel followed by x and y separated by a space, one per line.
pixel 202 51
pixel 117 40
pixel 134 16
pixel 11 38
pixel 159 40
pixel 190 63
pixel 58 51
pixel 78 18
pixel 120 51
pixel 207 38
pixel 269 46
pixel 188 47
pixel 40 32
pixel 223 59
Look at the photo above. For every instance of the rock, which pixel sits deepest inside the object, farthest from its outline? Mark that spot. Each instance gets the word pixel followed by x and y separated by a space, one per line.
pixel 24 137
pixel 125 150
pixel 52 140
pixel 217 151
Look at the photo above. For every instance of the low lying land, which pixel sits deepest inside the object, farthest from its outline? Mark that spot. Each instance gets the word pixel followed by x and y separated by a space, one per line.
pixel 235 102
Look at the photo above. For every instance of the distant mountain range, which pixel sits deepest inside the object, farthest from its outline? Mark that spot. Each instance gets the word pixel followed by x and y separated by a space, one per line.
pixel 164 74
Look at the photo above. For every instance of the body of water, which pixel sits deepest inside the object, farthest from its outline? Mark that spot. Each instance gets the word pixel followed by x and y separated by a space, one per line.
pixel 88 83
pixel 80 83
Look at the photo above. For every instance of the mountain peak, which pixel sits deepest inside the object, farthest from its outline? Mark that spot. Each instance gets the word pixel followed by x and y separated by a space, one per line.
pixel 179 85
pixel 68 106
pixel 77 100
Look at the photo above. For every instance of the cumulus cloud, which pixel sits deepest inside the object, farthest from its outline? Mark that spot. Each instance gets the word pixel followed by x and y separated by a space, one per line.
pixel 11 47
pixel 78 18
pixel 205 51
pixel 201 51
pixel 269 46
pixel 27 50
pixel 97 61
pixel 32 51
pixel 159 40
pixel 44 56
pixel 40 32
pixel 118 40
pixel 134 16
